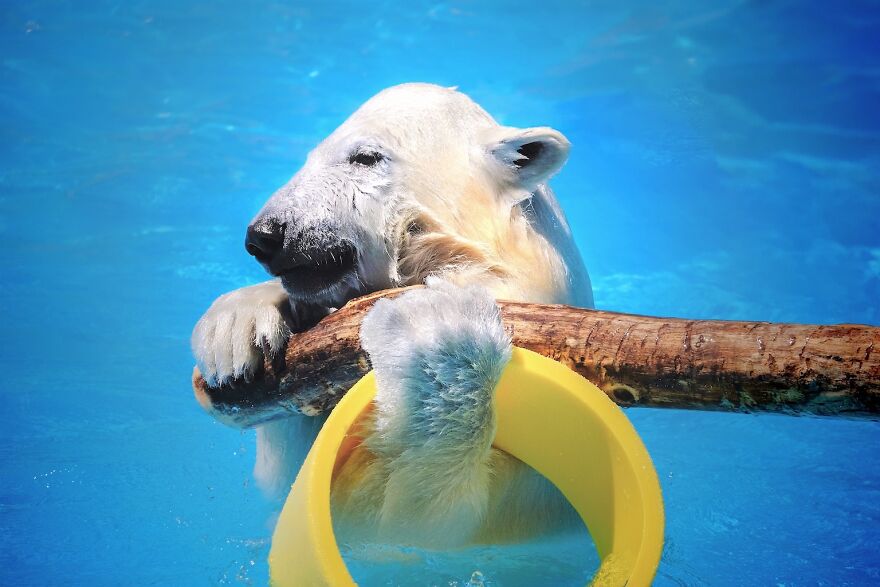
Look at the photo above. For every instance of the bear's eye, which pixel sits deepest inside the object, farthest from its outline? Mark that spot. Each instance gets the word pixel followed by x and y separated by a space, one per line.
pixel 366 158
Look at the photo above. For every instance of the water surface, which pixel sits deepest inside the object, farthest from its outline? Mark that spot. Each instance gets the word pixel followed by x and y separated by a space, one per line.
pixel 726 164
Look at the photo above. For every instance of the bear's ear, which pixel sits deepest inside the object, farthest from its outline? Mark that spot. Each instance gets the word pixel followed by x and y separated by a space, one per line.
pixel 530 155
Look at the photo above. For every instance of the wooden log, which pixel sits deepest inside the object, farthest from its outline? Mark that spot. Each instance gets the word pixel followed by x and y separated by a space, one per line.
pixel 636 360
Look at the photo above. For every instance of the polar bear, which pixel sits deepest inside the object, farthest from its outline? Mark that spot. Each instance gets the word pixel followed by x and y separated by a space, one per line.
pixel 419 185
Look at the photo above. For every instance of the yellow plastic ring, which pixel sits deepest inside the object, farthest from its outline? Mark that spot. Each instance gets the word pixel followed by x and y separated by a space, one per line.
pixel 548 417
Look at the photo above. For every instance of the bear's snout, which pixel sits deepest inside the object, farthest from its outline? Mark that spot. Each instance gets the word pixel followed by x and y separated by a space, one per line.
pixel 264 241
pixel 307 264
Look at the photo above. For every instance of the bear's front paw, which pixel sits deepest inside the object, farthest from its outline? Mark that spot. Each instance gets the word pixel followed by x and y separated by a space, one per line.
pixel 438 353
pixel 238 330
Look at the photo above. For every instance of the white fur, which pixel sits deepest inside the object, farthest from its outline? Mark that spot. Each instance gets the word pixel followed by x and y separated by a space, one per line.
pixel 280 444
pixel 229 338
pixel 438 354
pixel 453 195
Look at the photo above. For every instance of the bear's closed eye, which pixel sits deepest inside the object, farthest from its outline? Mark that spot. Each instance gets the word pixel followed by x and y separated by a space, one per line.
pixel 368 158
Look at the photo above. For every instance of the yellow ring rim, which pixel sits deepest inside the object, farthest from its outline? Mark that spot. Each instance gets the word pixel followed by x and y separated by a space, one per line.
pixel 550 418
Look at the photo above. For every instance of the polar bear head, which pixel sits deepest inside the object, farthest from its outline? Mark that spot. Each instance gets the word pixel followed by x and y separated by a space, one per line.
pixel 420 180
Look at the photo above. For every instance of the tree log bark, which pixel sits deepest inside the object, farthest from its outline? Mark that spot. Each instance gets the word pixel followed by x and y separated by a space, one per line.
pixel 636 360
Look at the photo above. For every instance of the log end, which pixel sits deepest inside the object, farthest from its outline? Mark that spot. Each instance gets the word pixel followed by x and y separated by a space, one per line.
pixel 200 390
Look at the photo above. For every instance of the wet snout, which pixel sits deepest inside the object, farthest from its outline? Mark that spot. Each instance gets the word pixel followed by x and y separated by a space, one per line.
pixel 265 241
pixel 309 260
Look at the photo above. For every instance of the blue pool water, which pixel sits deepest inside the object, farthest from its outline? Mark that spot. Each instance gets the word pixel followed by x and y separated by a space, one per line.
pixel 726 164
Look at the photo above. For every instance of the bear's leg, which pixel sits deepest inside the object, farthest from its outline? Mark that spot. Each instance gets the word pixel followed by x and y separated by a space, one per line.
pixel 438 354
pixel 230 342
pixel 282 447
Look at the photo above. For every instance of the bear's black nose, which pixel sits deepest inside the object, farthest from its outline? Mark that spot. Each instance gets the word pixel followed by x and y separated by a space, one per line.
pixel 264 241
